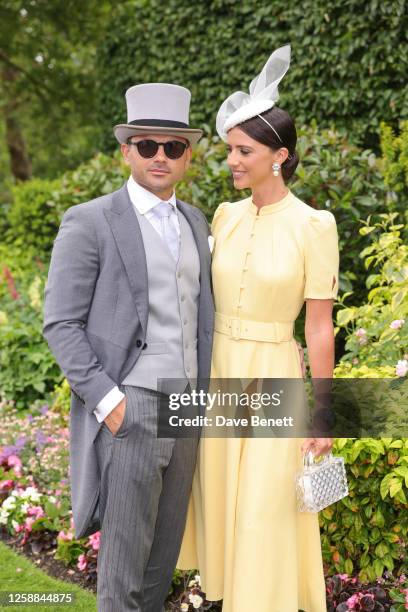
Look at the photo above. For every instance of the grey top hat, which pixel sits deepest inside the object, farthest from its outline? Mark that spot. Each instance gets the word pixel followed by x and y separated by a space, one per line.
pixel 157 107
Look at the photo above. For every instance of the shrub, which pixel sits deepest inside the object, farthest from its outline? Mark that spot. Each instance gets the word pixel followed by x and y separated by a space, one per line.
pixel 395 156
pixel 27 368
pixel 31 220
pixel 34 217
pixel 346 72
pixel 377 331
pixel 366 532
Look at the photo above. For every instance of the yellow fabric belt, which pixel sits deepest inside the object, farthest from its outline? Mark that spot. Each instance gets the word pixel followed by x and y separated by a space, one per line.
pixel 276 331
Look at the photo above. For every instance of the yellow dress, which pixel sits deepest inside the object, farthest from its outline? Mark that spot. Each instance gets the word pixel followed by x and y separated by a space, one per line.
pixel 252 547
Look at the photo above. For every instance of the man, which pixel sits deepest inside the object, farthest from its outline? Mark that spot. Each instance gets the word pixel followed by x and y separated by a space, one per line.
pixel 128 301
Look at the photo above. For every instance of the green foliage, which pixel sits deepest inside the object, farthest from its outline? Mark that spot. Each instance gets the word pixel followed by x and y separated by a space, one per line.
pixel 346 72
pixel 333 175
pixel 34 217
pixel 27 368
pixel 208 182
pixel 48 86
pixel 68 551
pixel 395 157
pixel 366 531
pixel 377 331
pixel 32 221
pixel 61 398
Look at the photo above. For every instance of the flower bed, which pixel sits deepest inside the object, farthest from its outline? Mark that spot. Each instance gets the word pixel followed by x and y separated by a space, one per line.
pixel 35 512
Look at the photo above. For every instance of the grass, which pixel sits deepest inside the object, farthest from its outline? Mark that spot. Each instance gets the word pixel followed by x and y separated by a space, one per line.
pixel 18 574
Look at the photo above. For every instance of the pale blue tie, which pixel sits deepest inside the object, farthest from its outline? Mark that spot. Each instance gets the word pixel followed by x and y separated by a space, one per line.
pixel 169 233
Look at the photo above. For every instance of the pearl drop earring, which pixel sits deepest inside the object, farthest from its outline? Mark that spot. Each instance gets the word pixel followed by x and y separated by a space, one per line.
pixel 276 167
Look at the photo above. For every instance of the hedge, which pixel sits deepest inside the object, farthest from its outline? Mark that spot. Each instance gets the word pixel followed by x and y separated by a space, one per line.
pixel 348 58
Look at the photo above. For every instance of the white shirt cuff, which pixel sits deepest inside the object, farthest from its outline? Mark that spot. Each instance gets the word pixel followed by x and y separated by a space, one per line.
pixel 108 403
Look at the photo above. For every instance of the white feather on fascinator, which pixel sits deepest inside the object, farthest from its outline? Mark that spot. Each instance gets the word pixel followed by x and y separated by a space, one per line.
pixel 263 93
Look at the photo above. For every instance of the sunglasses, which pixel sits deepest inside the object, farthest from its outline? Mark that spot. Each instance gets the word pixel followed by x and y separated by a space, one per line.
pixel 173 149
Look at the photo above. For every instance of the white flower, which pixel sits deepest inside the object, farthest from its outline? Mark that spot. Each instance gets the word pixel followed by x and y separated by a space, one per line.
pixel 397 323
pixel 184 607
pixel 196 600
pixel 9 503
pixel 14 524
pixel 197 578
pixel 32 494
pixel 191 583
pixel 52 499
pixel 25 507
pixel 401 369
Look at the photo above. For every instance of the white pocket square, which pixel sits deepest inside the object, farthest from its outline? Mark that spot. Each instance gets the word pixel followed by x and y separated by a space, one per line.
pixel 211 243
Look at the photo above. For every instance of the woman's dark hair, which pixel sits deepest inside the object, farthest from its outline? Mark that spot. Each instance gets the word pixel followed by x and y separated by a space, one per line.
pixel 283 123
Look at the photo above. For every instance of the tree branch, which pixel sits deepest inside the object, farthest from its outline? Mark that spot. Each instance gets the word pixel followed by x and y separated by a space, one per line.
pixel 38 84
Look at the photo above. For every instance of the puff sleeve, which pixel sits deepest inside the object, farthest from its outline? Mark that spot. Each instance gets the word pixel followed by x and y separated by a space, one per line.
pixel 321 256
pixel 216 221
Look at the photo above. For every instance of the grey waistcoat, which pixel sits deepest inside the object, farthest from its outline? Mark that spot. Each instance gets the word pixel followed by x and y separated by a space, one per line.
pixel 173 292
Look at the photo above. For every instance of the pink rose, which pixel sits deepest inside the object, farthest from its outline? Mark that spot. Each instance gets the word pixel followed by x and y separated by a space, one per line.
pixel 15 462
pixel 65 536
pixel 397 323
pixel 6 485
pixel 28 524
pixel 352 601
pixel 82 563
pixel 94 540
pixel 35 511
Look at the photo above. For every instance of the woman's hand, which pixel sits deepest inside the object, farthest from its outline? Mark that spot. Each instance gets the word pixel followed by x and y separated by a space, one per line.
pixel 318 446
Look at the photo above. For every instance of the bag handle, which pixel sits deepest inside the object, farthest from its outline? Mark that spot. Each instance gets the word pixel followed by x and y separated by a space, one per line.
pixel 309 459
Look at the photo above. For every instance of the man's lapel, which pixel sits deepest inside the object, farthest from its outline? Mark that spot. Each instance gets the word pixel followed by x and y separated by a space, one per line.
pixel 200 233
pixel 128 236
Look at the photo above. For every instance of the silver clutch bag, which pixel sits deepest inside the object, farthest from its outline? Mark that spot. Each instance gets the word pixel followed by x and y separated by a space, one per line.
pixel 320 483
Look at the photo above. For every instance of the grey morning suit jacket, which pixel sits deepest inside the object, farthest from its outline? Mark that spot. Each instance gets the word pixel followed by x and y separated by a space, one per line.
pixel 98 257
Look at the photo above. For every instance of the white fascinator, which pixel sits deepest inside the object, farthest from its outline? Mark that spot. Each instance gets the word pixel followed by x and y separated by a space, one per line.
pixel 263 93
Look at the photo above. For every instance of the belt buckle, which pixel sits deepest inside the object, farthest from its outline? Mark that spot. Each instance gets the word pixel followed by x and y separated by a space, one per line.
pixel 235 328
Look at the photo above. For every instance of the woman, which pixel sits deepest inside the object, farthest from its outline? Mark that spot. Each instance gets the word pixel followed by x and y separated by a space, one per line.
pixel 272 253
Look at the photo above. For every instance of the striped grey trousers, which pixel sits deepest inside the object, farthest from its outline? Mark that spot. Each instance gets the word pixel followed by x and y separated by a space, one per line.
pixel 145 488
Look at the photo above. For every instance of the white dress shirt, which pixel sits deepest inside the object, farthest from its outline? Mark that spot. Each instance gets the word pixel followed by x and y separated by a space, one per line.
pixel 144 201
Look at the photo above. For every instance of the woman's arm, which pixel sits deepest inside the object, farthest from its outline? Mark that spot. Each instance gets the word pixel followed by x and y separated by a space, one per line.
pixel 319 336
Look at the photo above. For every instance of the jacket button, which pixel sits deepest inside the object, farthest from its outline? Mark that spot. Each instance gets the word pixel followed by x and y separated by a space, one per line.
pixel 144 346
pixel 138 343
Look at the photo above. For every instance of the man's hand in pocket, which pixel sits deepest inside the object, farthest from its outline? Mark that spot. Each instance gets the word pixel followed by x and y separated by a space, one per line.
pixel 115 418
